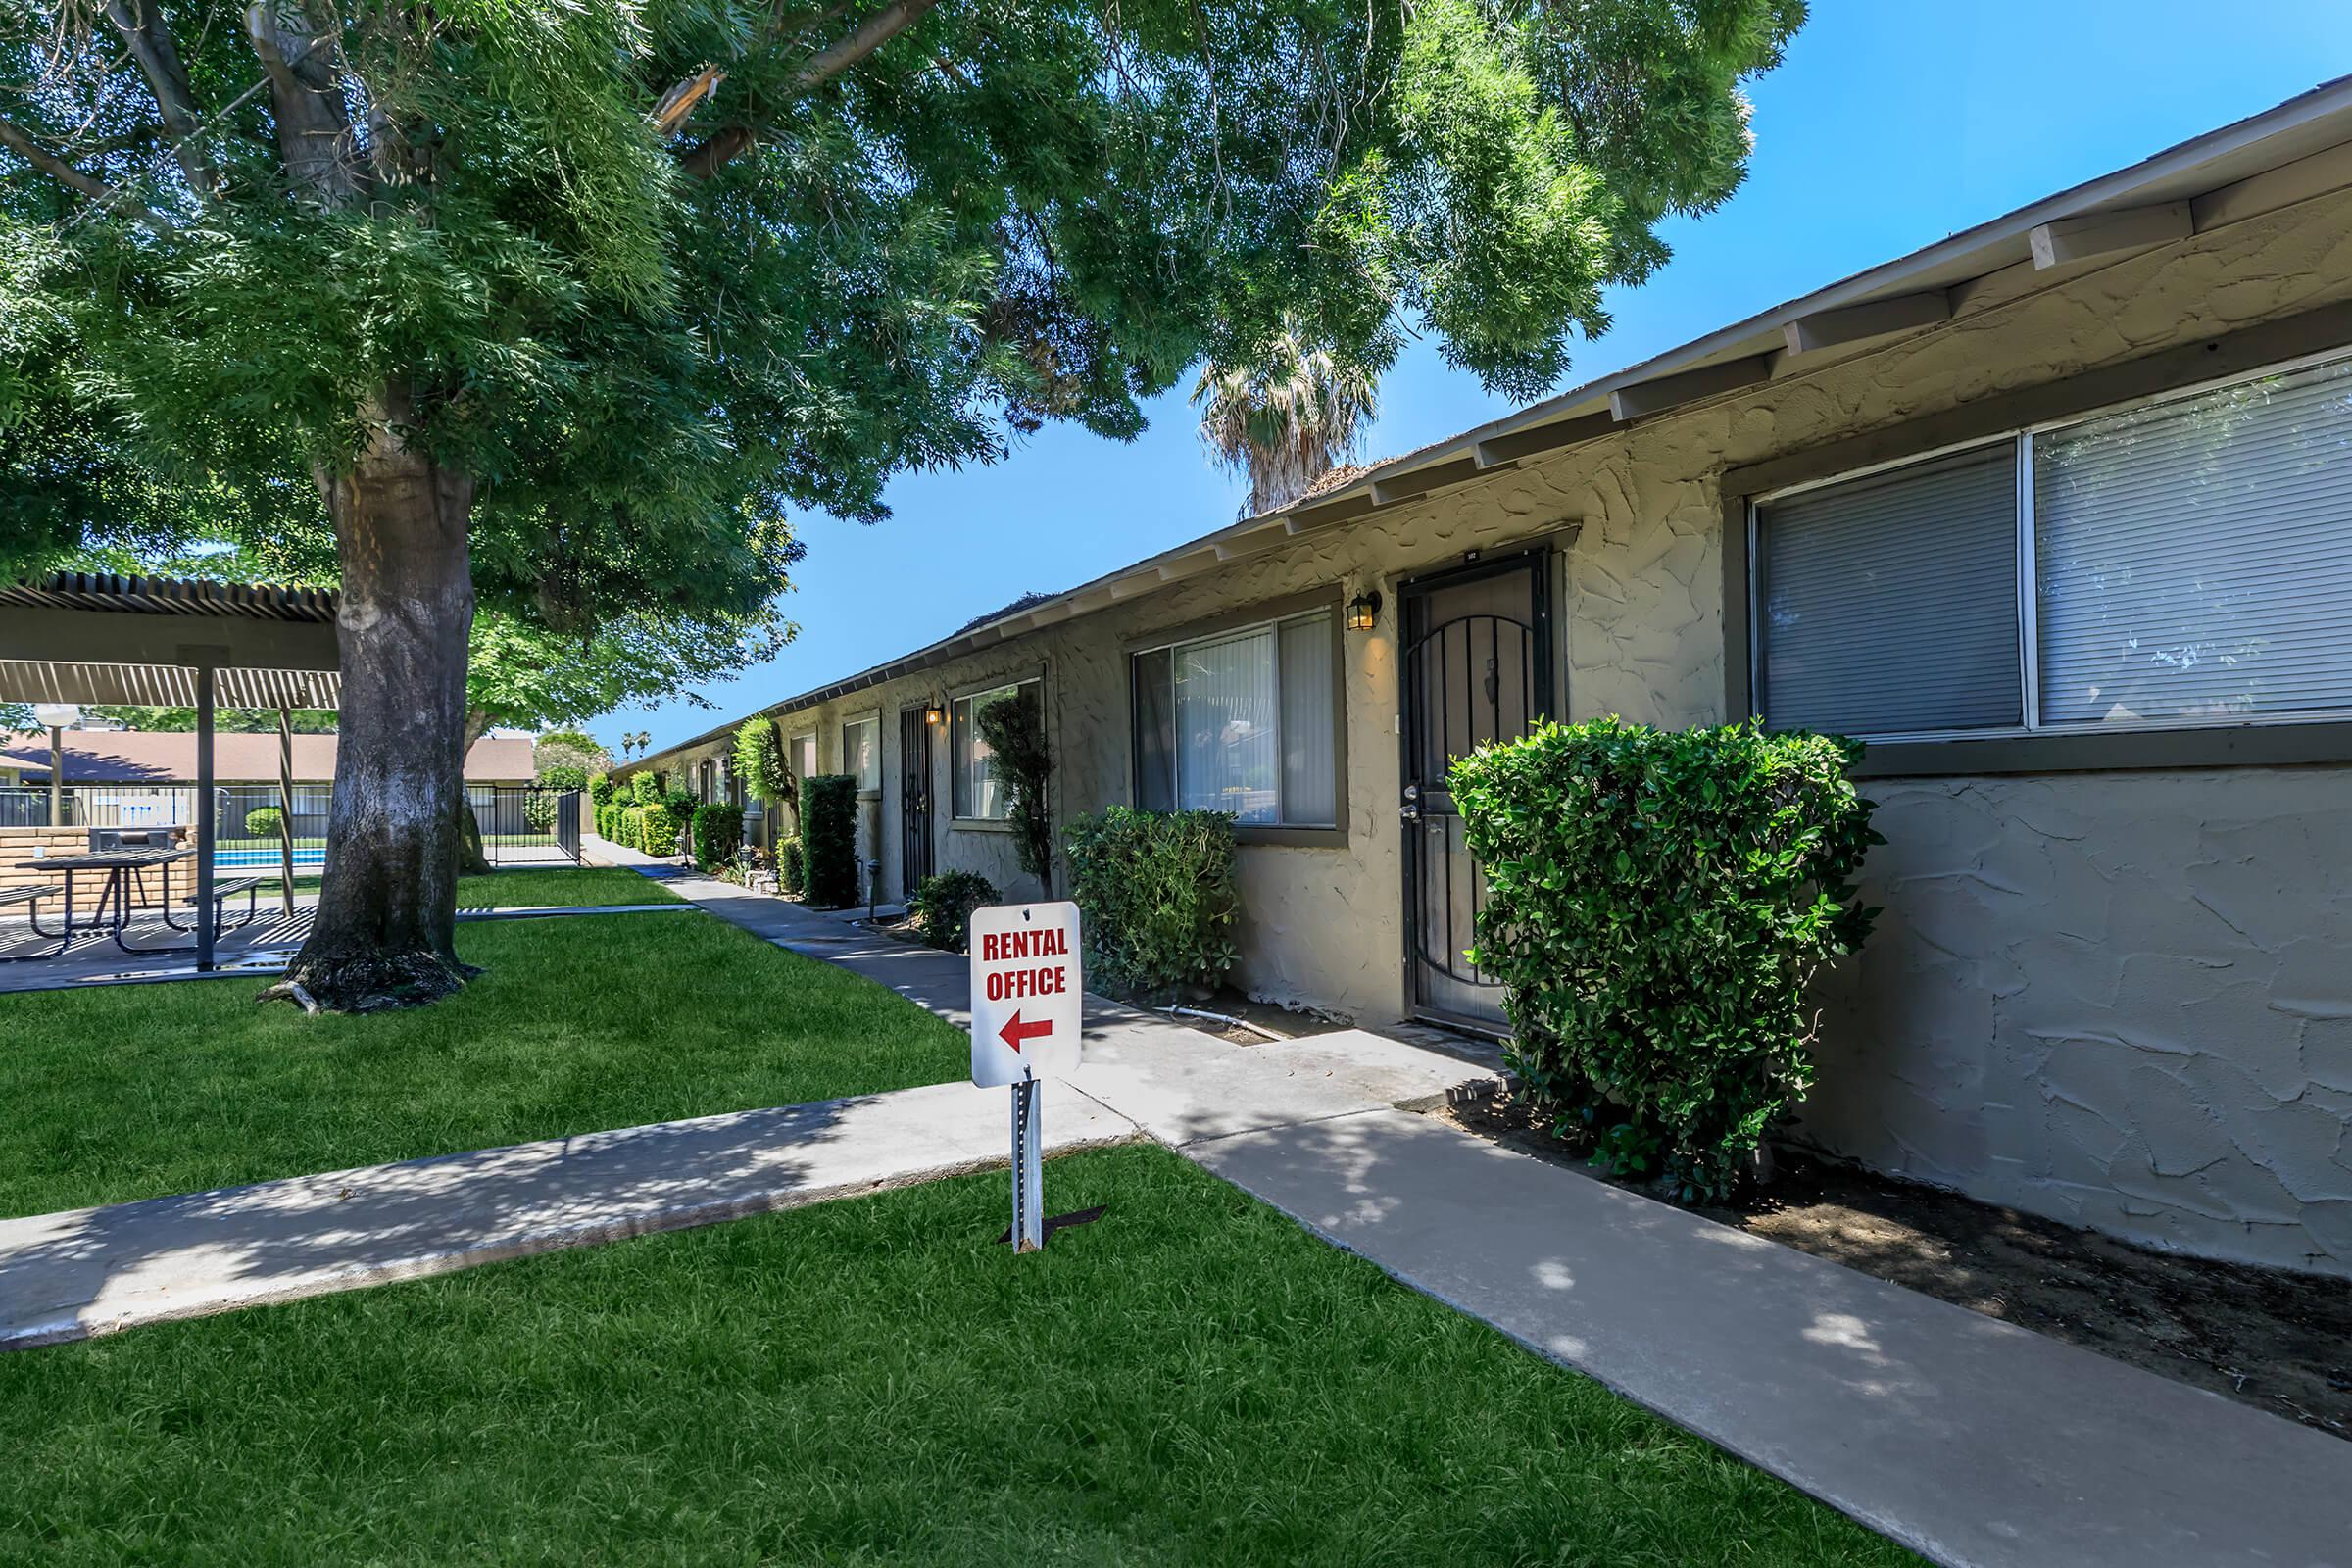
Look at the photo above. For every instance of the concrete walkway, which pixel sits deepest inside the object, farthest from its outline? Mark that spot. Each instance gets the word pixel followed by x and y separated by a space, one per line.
pixel 1971 1441
pixel 90 1271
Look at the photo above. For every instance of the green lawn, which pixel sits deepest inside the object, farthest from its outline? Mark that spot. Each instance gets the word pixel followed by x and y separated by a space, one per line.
pixel 536 885
pixel 1193 1380
pixel 582 1023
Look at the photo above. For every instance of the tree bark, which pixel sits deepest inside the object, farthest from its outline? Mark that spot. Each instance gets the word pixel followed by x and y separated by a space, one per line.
pixel 385 934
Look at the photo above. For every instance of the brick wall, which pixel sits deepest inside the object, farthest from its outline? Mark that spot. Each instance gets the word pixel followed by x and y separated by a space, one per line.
pixel 23 843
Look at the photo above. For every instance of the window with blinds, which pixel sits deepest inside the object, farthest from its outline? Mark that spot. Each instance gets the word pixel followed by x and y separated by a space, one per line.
pixel 1244 721
pixel 861 752
pixel 2194 558
pixel 974 793
pixel 1889 602
pixel 2188 562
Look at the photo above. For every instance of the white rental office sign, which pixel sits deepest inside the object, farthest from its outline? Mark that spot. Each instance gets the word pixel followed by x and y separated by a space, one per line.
pixel 1026 986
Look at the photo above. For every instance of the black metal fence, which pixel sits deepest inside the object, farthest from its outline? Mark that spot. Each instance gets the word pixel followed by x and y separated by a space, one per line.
pixel 521 824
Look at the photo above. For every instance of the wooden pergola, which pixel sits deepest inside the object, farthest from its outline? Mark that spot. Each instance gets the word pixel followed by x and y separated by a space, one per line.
pixel 75 637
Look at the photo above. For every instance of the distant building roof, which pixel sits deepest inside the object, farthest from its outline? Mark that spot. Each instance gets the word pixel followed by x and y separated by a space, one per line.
pixel 169 756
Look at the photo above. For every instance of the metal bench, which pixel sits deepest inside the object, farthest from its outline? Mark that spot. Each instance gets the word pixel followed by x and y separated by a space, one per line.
pixel 30 898
pixel 222 891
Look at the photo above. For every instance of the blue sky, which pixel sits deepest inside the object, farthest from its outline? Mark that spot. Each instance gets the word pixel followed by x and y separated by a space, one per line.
pixel 1889 125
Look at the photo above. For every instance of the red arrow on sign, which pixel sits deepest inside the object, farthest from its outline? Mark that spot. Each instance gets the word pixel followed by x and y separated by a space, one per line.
pixel 1015 1031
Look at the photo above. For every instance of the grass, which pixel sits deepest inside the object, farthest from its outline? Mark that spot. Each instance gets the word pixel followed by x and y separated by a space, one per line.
pixel 525 887
pixel 1194 1380
pixel 579 1024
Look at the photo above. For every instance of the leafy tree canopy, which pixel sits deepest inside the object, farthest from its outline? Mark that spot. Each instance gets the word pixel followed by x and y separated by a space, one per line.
pixel 653 272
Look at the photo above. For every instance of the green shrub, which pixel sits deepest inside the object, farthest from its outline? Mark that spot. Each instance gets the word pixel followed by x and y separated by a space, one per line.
pixel 1014 729
pixel 1657 903
pixel 1156 893
pixel 263 822
pixel 539 810
pixel 717 834
pixel 761 763
pixel 646 789
pixel 942 907
pixel 658 829
pixel 564 776
pixel 829 839
pixel 632 828
pixel 601 791
pixel 792 870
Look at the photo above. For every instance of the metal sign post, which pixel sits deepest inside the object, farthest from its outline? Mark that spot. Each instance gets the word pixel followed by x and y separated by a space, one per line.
pixel 1028 1168
pixel 1026 986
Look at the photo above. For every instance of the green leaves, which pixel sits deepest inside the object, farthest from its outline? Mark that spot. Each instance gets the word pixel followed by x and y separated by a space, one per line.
pixel 1657 903
pixel 762 765
pixel 1157 894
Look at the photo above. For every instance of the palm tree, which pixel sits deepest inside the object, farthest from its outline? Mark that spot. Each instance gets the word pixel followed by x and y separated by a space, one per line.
pixel 635 742
pixel 1287 420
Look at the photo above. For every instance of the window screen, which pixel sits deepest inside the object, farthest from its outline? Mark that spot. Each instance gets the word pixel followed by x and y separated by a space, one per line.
pixel 2195 557
pixel 1240 722
pixel 1890 603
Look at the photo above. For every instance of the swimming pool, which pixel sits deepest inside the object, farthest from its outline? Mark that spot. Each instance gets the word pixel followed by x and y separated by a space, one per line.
pixel 255 860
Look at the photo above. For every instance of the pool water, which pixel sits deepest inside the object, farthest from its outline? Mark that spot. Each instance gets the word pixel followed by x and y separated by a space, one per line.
pixel 254 860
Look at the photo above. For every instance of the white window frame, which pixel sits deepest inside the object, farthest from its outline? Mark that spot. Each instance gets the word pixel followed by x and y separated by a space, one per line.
pixel 816 752
pixel 1234 633
pixel 2020 437
pixel 958 727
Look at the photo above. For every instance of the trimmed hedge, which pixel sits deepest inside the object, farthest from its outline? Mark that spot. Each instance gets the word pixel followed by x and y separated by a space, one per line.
pixel 1657 903
pixel 645 789
pixel 264 821
pixel 792 871
pixel 631 827
pixel 829 839
pixel 717 834
pixel 601 791
pixel 564 776
pixel 942 907
pixel 658 829
pixel 1158 894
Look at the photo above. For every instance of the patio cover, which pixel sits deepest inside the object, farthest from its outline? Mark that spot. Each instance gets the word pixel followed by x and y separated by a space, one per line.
pixel 79 637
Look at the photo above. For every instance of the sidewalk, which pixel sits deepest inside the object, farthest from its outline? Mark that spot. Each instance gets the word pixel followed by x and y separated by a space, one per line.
pixel 1971 1441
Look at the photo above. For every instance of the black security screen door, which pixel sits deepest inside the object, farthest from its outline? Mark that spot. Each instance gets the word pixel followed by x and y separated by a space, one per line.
pixel 1477 667
pixel 914 800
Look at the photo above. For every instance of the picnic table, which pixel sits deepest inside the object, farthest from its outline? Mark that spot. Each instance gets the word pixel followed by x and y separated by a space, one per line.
pixel 125 870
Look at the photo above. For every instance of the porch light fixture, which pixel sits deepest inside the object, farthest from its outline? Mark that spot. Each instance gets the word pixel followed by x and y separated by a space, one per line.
pixel 933 713
pixel 1364 611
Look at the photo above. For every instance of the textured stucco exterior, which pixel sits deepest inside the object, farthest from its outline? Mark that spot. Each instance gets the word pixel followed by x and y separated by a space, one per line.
pixel 2118 999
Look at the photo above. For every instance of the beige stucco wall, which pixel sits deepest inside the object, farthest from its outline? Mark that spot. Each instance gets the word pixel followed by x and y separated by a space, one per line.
pixel 2098 996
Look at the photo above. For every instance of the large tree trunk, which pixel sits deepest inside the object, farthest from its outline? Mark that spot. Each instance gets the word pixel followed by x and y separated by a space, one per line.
pixel 385 930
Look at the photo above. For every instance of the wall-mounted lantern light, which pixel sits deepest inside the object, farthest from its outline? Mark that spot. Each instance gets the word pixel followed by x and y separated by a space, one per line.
pixel 1364 611
pixel 933 713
